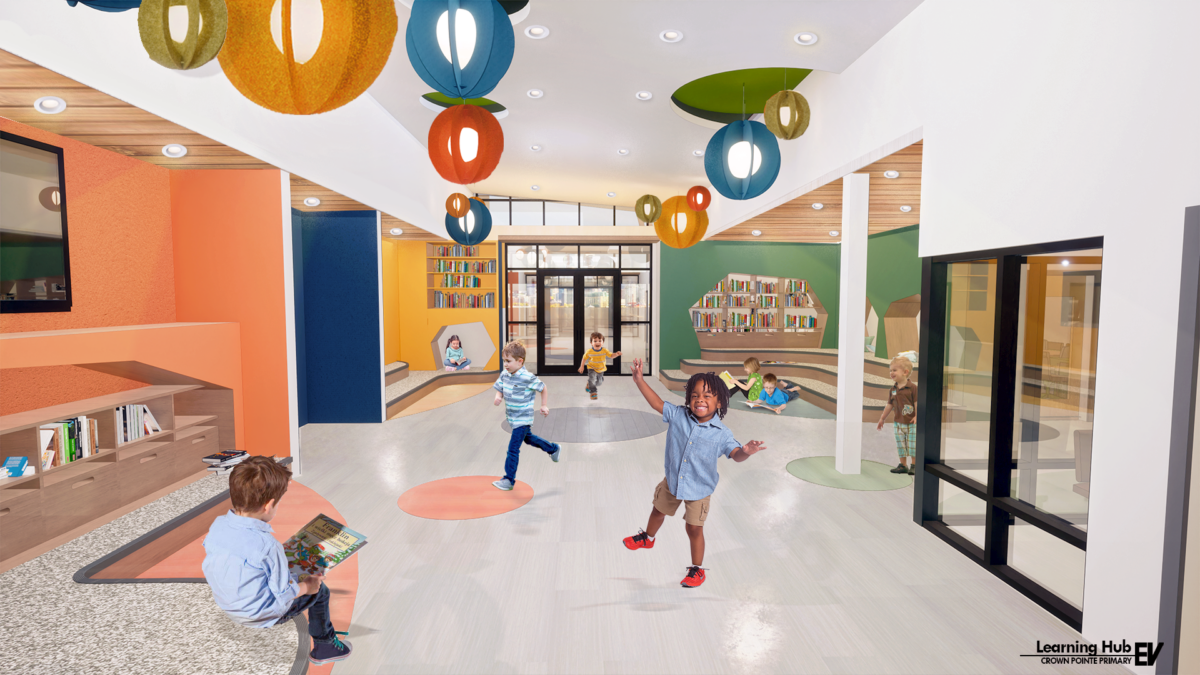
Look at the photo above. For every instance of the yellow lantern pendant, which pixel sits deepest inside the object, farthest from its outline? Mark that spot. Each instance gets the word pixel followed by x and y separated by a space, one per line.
pixel 680 226
pixel 786 115
pixel 201 36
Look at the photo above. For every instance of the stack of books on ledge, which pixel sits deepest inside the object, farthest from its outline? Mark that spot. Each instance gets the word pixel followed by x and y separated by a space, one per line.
pixel 223 462
pixel 66 441
pixel 134 422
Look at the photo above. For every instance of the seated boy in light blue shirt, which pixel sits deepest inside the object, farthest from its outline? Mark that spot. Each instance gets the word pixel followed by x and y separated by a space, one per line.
pixel 247 570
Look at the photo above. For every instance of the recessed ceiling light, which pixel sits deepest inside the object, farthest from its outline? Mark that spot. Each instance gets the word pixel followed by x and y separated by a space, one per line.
pixel 612 194
pixel 644 96
pixel 818 206
pixel 670 36
pixel 537 32
pixel 698 153
pixel 312 201
pixel 623 151
pixel 833 233
pixel 806 38
pixel 174 150
pixel 535 93
pixel 906 208
pixel 535 187
pixel 51 105
pixel 1066 263
pixel 757 233
pixel 535 148
pixel 891 174
pixel 396 231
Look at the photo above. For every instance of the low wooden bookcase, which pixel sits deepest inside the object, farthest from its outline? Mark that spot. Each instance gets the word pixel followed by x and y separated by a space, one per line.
pixel 36 509
pixel 759 312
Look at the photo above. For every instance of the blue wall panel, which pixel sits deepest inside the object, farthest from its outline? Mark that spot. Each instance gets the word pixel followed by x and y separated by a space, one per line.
pixel 298 295
pixel 341 316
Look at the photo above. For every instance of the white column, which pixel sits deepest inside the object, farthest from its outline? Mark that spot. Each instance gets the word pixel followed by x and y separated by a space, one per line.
pixel 852 306
pixel 289 322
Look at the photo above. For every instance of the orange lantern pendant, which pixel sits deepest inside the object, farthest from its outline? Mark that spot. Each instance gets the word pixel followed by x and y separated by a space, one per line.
pixel 306 77
pixel 465 144
pixel 680 226
pixel 698 198
pixel 458 204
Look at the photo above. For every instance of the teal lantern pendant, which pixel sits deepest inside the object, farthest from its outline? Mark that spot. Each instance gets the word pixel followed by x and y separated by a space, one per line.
pixel 472 228
pixel 461 48
pixel 742 160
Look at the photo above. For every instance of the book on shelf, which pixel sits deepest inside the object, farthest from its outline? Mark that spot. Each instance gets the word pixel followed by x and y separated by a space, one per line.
pixel 463 300
pixel 135 421
pixel 457 251
pixel 321 545
pixel 67 441
pixel 16 466
pixel 222 457
pixel 465 267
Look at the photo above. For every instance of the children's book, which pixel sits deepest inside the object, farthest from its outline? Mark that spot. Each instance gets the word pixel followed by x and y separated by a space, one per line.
pixel 321 545
pixel 757 404
pixel 15 466
pixel 727 379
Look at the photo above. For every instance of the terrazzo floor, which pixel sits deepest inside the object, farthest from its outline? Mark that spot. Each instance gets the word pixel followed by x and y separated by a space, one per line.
pixel 56 626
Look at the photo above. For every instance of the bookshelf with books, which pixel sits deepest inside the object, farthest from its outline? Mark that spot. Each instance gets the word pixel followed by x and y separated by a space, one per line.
pixel 461 277
pixel 758 311
pixel 93 457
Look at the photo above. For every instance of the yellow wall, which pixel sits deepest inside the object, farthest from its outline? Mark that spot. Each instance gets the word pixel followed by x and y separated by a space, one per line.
pixel 418 324
pixel 391 301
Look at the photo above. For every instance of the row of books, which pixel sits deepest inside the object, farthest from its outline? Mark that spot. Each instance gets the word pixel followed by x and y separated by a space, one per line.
pixel 488 267
pixel 710 301
pixel 768 301
pixel 799 321
pixel 795 286
pixel 460 281
pixel 796 301
pixel 463 300
pixel 706 320
pixel 67 441
pixel 135 421
pixel 457 251
pixel 732 286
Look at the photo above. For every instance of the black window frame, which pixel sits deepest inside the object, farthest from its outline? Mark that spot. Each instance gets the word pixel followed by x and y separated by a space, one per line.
pixel 1001 510
pixel 41 306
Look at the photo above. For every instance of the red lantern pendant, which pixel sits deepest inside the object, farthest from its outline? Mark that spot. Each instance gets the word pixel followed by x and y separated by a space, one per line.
pixel 465 144
pixel 698 198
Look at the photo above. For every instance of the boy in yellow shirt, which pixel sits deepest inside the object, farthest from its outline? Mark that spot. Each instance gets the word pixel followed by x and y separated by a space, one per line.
pixel 595 360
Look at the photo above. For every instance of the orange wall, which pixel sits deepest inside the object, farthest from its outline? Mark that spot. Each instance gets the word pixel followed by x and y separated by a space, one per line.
pixel 229 266
pixel 418 324
pixel 119 224
pixel 391 301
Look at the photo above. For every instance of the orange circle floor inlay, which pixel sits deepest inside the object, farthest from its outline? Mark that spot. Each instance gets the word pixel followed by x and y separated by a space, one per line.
pixel 463 498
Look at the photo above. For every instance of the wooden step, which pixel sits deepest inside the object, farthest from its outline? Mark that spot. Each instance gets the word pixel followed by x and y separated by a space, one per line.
pixel 872 365
pixel 394 372
pixel 818 393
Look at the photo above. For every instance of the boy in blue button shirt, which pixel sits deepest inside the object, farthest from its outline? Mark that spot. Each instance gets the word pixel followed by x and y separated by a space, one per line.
pixel 247 570
pixel 696 438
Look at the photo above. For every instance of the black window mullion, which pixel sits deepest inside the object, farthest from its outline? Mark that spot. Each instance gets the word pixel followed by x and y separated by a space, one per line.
pixel 1047 522
pixel 1004 377
pixel 929 391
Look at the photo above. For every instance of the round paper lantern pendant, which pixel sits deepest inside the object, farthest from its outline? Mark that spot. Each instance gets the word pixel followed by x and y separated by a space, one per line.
pixel 742 160
pixel 648 208
pixel 458 205
pixel 465 144
pixel 108 5
pixel 298 64
pixel 199 41
pixel 698 198
pixel 786 115
pixel 462 48
pixel 471 228
pixel 680 226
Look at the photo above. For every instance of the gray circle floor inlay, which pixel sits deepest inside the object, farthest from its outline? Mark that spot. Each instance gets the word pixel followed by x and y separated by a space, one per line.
pixel 594 425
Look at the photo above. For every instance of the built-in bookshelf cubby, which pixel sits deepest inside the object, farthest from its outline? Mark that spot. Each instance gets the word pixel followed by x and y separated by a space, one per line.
pixel 109 471
pixel 462 277
pixel 750 310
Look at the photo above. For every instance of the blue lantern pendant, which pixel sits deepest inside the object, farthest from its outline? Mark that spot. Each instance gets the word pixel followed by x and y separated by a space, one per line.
pixel 471 228
pixel 742 159
pixel 108 5
pixel 462 48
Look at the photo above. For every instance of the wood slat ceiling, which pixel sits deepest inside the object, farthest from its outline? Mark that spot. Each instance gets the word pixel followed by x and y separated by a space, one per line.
pixel 110 123
pixel 798 221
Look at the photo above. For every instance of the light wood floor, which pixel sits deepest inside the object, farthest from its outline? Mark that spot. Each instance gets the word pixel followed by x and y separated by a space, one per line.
pixel 802 578
pixel 442 396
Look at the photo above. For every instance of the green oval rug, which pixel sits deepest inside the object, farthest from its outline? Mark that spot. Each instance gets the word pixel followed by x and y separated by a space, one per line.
pixel 874 476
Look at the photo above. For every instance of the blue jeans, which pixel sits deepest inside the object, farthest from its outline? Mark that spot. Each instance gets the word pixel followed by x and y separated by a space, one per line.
pixel 448 364
pixel 320 628
pixel 522 434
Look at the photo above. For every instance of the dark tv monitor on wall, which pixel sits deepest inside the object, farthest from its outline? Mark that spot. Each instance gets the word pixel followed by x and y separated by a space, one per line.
pixel 35 264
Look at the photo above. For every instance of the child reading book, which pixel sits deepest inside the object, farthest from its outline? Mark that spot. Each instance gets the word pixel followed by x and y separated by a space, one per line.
pixel 454 355
pixel 248 569
pixel 754 382
pixel 775 395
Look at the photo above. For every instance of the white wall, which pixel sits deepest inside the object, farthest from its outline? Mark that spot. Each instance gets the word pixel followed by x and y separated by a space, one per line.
pixel 1045 122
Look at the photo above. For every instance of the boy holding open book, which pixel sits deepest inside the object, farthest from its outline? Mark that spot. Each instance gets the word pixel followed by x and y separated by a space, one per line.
pixel 248 570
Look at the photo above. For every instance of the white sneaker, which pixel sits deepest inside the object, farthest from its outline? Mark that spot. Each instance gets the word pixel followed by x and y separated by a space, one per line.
pixel 503 484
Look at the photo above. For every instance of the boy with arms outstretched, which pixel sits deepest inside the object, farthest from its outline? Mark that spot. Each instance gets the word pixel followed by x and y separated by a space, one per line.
pixel 517 388
pixel 696 438
pixel 595 360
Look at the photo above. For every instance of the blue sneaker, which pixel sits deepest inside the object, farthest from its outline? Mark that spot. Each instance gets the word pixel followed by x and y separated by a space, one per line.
pixel 557 449
pixel 503 484
pixel 328 652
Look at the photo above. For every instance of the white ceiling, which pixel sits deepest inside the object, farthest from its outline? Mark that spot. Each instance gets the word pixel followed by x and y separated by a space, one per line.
pixel 599 53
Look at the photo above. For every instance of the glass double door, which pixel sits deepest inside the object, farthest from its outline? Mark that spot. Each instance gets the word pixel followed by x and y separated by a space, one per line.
pixel 571 306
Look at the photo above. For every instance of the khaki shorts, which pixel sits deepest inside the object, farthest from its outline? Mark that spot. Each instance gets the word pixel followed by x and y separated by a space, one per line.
pixel 694 512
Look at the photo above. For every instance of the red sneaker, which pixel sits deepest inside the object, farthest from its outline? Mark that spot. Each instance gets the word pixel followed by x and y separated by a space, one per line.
pixel 639 540
pixel 694 578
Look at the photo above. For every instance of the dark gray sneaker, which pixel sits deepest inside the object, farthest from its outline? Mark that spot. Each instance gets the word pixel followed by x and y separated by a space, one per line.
pixel 900 468
pixel 912 470
pixel 328 652
pixel 557 449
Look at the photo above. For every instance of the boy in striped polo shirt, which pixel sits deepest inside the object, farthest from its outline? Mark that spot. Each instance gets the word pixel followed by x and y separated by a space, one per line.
pixel 516 388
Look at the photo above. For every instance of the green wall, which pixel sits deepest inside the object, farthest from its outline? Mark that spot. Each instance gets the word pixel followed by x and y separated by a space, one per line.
pixel 893 272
